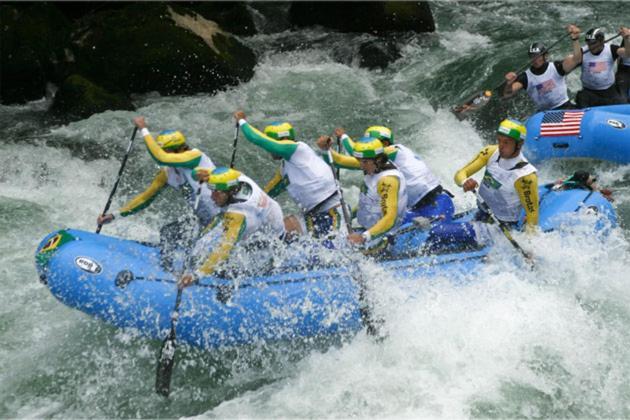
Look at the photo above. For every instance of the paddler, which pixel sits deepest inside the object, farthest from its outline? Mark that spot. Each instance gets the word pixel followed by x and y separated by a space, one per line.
pixel 509 186
pixel 247 212
pixel 426 196
pixel 302 173
pixel 176 160
pixel 383 197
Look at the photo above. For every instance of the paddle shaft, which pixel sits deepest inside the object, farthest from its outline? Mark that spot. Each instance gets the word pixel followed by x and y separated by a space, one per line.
pixel 344 208
pixel 234 143
pixel 120 171
pixel 506 231
pixel 198 197
pixel 167 353
pixel 372 325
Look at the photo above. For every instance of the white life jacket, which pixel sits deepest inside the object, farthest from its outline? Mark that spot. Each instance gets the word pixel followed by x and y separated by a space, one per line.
pixel 369 211
pixel 311 180
pixel 418 177
pixel 181 178
pixel 497 188
pixel 548 90
pixel 261 211
pixel 597 70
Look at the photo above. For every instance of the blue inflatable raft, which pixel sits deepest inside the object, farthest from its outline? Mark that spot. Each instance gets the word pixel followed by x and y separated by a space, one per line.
pixel 122 283
pixel 596 133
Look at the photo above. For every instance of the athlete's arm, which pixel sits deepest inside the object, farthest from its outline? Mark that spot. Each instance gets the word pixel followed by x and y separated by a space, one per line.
pixel 575 58
pixel 475 165
pixel 189 159
pixel 233 228
pixel 527 189
pixel 146 197
pixel 282 148
pixel 387 189
pixel 276 185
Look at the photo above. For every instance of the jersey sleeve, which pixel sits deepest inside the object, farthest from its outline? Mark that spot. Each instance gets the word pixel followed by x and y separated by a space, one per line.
pixel 527 189
pixel 234 225
pixel 522 79
pixel 613 50
pixel 342 161
pixel 387 189
pixel 146 197
pixel 276 185
pixel 559 68
pixel 282 148
pixel 475 165
pixel 189 159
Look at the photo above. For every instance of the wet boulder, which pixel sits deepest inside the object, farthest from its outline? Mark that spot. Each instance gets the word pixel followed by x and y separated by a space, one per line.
pixel 378 17
pixel 234 17
pixel 159 47
pixel 378 53
pixel 33 50
pixel 79 97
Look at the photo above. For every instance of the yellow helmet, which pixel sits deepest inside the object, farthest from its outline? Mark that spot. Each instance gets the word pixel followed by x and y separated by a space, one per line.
pixel 380 132
pixel 223 179
pixel 170 139
pixel 367 147
pixel 280 131
pixel 513 129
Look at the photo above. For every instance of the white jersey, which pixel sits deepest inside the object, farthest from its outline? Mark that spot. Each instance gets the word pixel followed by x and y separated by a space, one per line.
pixel 261 211
pixel 597 70
pixel 311 180
pixel 548 90
pixel 497 188
pixel 418 177
pixel 370 211
pixel 181 178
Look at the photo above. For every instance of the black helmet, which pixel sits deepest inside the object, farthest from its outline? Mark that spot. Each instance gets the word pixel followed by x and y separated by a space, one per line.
pixel 537 48
pixel 594 35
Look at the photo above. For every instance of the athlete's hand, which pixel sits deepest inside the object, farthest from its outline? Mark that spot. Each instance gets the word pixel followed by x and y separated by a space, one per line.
pixel 324 142
pixel 470 184
pixel 356 238
pixel 239 115
pixel 625 32
pixel 573 31
pixel 139 122
pixel 201 174
pixel 510 77
pixel 186 280
pixel 104 219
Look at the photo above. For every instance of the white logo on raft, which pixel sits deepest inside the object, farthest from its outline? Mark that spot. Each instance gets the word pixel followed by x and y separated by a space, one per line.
pixel 87 264
pixel 616 124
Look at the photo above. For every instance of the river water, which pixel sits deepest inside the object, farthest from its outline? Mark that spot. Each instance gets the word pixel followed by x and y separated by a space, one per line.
pixel 550 343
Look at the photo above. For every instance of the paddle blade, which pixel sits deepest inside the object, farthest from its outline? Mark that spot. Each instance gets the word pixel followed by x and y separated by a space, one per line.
pixel 472 104
pixel 166 361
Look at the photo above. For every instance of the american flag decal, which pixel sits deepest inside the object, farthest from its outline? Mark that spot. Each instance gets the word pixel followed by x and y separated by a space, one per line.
pixel 561 123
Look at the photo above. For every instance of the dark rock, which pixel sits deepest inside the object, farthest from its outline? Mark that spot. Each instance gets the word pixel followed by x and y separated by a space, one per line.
pixel 378 53
pixel 232 16
pixel 155 47
pixel 33 37
pixel 78 97
pixel 378 17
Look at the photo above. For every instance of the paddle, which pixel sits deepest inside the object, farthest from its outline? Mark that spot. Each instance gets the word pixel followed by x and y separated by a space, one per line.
pixel 120 171
pixel 506 231
pixel 166 360
pixel 234 143
pixel 231 164
pixel 364 308
pixel 480 99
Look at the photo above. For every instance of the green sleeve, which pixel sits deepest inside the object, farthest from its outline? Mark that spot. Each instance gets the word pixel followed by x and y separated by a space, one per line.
pixel 282 148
